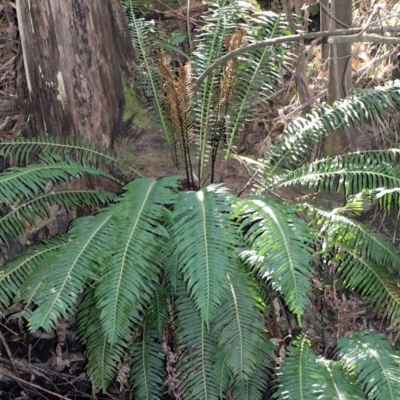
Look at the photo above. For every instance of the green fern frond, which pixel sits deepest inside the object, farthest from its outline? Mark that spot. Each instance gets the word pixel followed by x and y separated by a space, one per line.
pixel 352 172
pixel 281 246
pixel 12 223
pixel 70 269
pixel 26 182
pixel 303 375
pixel 239 327
pixel 16 272
pixel 336 384
pixel 195 367
pixel 338 229
pixel 146 46
pixel 135 245
pixel 203 244
pixel 299 373
pixel 375 363
pixel 22 150
pixel 147 362
pixel 254 387
pixel 303 134
pixel 158 310
pixel 371 280
pixel 103 358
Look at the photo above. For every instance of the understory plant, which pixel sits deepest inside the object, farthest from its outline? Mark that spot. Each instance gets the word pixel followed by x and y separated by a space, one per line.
pixel 173 282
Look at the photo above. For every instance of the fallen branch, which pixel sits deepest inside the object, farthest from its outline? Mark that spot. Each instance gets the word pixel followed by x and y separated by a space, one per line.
pixel 294 38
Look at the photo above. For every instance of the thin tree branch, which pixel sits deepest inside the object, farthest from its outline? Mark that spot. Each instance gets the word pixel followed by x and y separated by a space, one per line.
pixel 294 38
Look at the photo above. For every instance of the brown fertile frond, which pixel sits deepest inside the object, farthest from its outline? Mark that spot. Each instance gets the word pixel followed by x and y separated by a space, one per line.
pixel 178 98
pixel 232 42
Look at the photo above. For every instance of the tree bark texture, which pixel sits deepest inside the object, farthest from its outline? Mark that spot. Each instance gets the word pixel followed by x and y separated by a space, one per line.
pixel 77 54
pixel 339 83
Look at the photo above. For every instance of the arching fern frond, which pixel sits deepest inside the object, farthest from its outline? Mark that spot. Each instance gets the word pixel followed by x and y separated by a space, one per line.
pixel 135 247
pixel 281 246
pixel 69 270
pixel 26 182
pixel 203 242
pixel 375 363
pixel 195 367
pixel 304 376
pixel 371 280
pixel 239 326
pixel 352 172
pixel 303 134
pixel 103 358
pixel 18 270
pixel 12 223
pixel 22 149
pixel 147 360
pixel 338 229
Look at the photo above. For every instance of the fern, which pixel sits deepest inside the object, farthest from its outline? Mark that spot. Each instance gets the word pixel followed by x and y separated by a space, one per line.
pixel 303 375
pixel 203 243
pixel 303 134
pixel 374 361
pixel 281 248
pixel 147 365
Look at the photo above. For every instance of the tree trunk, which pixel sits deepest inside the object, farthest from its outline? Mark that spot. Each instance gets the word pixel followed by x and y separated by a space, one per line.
pixel 339 83
pixel 77 55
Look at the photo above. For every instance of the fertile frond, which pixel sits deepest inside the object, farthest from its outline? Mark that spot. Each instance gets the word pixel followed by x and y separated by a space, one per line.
pixel 375 363
pixel 135 244
pixel 69 270
pixel 178 99
pixel 303 134
pixel 352 172
pixel 13 223
pixel 239 326
pixel 281 246
pixel 203 242
pixel 22 149
pixel 18 270
pixel 147 362
pixel 195 366
pixel 103 358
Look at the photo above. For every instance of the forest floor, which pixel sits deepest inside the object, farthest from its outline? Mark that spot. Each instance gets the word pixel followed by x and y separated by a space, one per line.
pixel 38 365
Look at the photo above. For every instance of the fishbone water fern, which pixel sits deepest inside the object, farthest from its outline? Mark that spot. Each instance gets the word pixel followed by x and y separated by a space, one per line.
pixel 161 271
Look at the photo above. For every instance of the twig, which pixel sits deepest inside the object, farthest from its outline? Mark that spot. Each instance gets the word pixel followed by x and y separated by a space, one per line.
pixel 9 354
pixel 292 38
pixel 23 381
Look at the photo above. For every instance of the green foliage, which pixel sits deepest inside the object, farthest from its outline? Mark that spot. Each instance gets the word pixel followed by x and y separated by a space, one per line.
pixel 161 268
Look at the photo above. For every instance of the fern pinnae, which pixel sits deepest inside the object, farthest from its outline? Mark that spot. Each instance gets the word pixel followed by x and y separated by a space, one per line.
pixel 281 247
pixel 204 256
pixel 374 361
pixel 18 270
pixel 239 326
pixel 133 272
pixel 71 268
pixel 338 228
pixel 370 279
pixel 195 366
pixel 147 362
pixel 22 149
pixel 103 358
pixel 12 222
